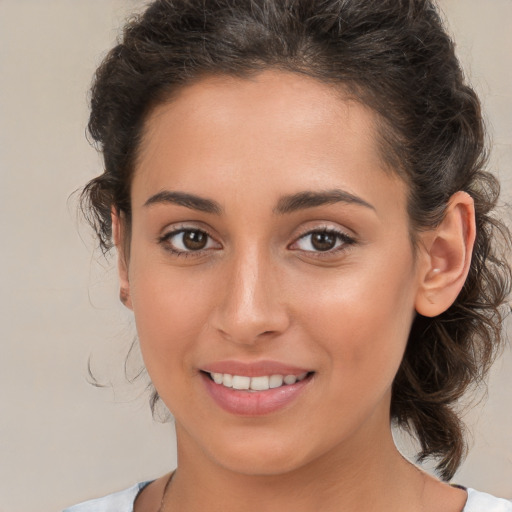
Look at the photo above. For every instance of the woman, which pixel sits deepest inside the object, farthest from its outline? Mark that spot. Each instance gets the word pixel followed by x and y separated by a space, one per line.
pixel 297 195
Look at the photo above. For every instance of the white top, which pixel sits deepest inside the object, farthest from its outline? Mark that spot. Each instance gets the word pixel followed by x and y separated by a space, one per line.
pixel 123 502
pixel 483 502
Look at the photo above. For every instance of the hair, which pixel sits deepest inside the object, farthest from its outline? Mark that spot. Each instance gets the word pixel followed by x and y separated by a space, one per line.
pixel 392 55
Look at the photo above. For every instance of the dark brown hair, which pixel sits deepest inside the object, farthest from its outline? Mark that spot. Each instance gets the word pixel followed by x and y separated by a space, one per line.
pixel 396 57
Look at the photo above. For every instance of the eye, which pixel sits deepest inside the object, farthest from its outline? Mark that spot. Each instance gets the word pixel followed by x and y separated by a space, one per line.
pixel 183 241
pixel 323 240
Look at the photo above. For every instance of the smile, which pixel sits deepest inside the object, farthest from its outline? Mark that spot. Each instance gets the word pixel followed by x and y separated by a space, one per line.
pixel 255 388
pixel 260 383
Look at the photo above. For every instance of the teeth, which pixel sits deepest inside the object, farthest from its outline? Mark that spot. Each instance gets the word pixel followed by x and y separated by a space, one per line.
pixel 227 380
pixel 275 381
pixel 290 379
pixel 261 383
pixel 240 382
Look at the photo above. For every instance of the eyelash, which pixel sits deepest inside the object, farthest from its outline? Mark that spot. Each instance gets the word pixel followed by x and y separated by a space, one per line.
pixel 346 242
pixel 165 240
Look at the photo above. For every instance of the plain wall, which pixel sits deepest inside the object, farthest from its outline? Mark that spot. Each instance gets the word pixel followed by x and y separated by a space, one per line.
pixel 61 439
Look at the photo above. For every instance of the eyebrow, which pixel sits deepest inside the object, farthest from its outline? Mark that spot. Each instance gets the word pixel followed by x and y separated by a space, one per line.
pixel 287 204
pixel 308 199
pixel 188 200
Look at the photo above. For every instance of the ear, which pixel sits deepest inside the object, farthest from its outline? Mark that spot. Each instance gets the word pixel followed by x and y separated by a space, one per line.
pixel 446 257
pixel 119 236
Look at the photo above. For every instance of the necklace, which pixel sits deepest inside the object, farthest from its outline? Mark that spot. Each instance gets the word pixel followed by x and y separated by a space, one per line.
pixel 162 503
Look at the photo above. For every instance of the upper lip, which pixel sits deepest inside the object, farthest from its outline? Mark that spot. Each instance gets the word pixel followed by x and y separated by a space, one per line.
pixel 254 369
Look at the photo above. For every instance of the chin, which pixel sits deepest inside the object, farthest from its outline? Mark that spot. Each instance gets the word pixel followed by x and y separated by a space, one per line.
pixel 261 464
pixel 267 456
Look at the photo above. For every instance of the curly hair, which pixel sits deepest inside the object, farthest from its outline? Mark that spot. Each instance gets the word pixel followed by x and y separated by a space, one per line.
pixel 392 55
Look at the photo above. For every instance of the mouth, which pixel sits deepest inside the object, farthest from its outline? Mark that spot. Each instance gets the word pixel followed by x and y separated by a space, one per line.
pixel 257 383
pixel 259 393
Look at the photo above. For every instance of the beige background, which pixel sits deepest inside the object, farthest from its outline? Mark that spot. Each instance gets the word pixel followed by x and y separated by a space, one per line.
pixel 62 440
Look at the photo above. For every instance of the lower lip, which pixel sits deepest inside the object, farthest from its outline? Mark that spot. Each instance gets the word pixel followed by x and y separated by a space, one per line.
pixel 254 403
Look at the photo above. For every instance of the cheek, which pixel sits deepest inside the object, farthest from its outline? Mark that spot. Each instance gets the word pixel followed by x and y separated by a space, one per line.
pixel 170 309
pixel 362 318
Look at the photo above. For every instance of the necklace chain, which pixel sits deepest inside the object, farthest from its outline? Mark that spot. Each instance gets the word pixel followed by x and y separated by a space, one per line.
pixel 162 503
pixel 167 484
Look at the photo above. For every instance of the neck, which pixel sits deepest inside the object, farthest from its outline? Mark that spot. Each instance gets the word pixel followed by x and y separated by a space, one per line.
pixel 354 477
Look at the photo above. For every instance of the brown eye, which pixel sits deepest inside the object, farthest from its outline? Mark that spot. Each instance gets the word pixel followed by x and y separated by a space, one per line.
pixel 323 241
pixel 188 241
pixel 194 240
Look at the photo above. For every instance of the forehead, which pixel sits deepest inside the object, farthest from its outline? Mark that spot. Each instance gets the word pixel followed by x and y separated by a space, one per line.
pixel 276 129
pixel 273 107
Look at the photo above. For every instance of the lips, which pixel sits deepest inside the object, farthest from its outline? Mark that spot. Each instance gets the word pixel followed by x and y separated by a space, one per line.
pixel 259 383
pixel 256 388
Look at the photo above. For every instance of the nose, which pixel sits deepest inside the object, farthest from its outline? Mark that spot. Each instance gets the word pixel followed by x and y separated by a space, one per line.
pixel 251 304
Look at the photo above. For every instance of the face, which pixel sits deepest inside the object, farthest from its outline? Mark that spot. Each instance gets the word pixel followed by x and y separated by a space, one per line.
pixel 268 241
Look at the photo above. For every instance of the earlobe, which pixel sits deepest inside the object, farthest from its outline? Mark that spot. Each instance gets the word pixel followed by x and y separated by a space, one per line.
pixel 446 257
pixel 118 235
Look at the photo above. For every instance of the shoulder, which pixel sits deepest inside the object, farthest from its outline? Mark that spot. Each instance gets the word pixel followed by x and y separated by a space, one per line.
pixel 483 502
pixel 121 501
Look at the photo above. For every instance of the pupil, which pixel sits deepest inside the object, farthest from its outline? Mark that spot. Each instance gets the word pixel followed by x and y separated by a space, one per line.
pixel 194 240
pixel 323 241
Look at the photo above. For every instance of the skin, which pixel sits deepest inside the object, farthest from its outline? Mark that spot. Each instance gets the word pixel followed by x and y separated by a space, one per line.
pixel 260 290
